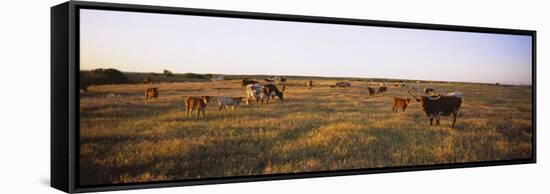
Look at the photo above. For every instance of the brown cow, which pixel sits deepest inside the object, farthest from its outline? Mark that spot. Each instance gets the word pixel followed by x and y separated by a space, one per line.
pixel 372 91
pixel 151 93
pixel 400 103
pixel 343 84
pixel 382 89
pixel 282 82
pixel 309 84
pixel 196 103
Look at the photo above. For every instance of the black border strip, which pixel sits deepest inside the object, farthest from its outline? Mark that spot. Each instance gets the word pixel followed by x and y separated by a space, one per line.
pixel 76 5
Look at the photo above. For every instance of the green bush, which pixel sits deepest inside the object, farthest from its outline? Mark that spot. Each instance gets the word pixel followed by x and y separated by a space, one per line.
pixel 195 76
pixel 168 73
pixel 101 76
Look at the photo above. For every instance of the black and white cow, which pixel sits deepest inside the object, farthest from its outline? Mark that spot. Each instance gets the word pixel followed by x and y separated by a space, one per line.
pixel 261 93
pixel 436 105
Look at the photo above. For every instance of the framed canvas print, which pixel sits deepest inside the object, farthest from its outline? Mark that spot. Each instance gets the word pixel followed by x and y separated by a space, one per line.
pixel 149 96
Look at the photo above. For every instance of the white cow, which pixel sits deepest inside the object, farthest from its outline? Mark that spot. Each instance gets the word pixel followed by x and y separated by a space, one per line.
pixel 225 102
pixel 255 92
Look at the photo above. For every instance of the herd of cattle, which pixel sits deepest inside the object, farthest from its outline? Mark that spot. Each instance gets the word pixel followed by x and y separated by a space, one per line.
pixel 433 104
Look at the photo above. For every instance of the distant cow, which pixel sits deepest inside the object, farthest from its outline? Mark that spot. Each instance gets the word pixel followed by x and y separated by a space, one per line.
pixel 269 80
pixel 309 84
pixel 247 81
pixel 428 90
pixel 382 89
pixel 401 85
pixel 151 93
pixel 84 86
pixel 271 91
pixel 400 103
pixel 343 84
pixel 147 81
pixel 436 105
pixel 225 102
pixel 196 103
pixel 282 81
pixel 372 91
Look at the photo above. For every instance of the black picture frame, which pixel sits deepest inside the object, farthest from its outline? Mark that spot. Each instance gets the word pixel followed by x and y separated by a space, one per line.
pixel 65 93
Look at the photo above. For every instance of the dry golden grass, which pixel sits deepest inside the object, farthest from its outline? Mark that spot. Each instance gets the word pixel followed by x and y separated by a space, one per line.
pixel 127 139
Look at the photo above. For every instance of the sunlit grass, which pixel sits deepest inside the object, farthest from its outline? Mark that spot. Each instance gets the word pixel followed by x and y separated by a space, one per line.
pixel 127 139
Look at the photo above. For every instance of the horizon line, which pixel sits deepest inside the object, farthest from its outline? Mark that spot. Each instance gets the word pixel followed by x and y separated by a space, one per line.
pixel 321 76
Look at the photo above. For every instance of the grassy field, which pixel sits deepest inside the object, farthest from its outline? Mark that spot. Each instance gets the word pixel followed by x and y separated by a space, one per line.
pixel 125 139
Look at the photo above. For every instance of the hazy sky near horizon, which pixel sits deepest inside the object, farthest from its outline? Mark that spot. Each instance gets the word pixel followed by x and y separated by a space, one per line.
pixel 146 42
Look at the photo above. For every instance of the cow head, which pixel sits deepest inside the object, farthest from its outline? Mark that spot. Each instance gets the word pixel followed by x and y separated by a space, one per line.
pixel 237 100
pixel 206 99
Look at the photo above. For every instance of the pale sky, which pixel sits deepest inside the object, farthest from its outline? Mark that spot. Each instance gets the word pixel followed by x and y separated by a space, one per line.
pixel 147 42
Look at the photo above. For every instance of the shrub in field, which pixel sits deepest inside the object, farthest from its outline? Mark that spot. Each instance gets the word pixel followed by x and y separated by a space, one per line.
pixel 168 73
pixel 195 76
pixel 101 76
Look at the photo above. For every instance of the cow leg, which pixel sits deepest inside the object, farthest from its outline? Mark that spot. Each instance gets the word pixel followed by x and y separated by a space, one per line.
pixel 437 119
pixel 454 120
pixel 220 108
pixel 394 108
pixel 431 120
pixel 404 107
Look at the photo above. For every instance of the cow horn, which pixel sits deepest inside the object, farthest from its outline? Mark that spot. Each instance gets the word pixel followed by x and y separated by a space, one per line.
pixel 435 97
